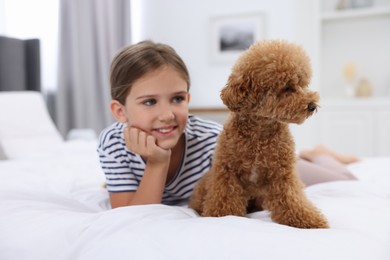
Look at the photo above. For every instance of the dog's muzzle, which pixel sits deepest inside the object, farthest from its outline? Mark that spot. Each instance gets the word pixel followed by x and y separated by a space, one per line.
pixel 312 107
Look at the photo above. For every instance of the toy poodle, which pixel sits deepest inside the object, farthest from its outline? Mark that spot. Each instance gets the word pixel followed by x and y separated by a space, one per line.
pixel 254 161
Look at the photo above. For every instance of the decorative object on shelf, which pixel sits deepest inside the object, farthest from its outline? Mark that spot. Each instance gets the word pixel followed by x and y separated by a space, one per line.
pixel 363 88
pixel 347 4
pixel 361 3
pixel 342 5
pixel 349 72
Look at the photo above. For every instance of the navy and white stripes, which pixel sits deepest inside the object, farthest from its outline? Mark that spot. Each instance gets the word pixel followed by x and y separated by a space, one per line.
pixel 124 169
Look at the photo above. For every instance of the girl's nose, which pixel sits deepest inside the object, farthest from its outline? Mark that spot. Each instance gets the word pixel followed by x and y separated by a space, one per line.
pixel 166 114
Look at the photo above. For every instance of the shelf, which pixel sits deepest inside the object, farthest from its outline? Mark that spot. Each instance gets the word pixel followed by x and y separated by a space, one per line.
pixel 356 13
pixel 356 102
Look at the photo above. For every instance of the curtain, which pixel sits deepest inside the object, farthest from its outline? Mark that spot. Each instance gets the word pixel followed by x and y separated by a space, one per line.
pixel 91 33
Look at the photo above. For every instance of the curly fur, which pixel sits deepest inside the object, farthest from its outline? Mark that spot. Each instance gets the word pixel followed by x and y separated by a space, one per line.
pixel 254 160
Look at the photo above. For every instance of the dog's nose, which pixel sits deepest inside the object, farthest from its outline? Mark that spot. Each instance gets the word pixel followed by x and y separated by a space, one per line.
pixel 311 107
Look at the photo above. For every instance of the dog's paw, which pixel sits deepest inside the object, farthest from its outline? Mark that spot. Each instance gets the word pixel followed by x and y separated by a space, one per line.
pixel 309 220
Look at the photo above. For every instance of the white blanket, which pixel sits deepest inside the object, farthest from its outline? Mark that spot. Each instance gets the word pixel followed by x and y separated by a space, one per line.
pixel 53 206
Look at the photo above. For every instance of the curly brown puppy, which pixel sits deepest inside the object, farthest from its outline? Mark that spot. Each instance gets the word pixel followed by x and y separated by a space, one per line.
pixel 255 155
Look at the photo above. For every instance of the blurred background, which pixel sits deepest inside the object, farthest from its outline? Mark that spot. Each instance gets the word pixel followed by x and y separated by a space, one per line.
pixel 347 41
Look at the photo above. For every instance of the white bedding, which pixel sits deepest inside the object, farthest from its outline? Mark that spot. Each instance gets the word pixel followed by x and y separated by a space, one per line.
pixel 53 206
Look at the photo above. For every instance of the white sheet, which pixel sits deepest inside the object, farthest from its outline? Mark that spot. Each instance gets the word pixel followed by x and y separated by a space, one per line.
pixel 54 207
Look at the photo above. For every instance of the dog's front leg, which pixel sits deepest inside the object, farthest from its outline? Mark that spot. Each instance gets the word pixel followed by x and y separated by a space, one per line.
pixel 289 205
pixel 225 196
pixel 198 195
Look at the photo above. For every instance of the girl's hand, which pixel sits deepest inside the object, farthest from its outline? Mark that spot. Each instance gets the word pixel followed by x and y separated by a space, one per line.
pixel 145 145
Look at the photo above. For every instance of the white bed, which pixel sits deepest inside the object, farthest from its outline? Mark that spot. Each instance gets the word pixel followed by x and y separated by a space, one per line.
pixel 53 206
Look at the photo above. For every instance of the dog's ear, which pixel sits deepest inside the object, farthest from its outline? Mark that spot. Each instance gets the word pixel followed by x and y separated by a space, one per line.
pixel 234 93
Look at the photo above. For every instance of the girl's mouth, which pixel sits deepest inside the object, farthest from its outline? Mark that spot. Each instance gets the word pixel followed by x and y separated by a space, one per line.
pixel 165 130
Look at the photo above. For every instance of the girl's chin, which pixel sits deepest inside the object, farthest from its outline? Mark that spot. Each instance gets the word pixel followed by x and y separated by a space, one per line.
pixel 167 144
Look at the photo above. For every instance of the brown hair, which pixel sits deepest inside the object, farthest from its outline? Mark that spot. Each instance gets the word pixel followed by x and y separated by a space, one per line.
pixel 134 61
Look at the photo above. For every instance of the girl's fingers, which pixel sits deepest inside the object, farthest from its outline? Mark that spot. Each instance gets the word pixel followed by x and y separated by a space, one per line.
pixel 131 137
pixel 144 144
pixel 142 140
pixel 136 140
pixel 151 142
pixel 134 137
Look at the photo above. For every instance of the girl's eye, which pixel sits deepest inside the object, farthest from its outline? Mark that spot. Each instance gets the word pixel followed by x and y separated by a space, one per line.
pixel 178 99
pixel 150 102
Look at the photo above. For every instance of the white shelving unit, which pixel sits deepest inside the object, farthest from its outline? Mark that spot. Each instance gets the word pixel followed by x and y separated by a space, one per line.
pixel 355 13
pixel 359 126
pixel 360 36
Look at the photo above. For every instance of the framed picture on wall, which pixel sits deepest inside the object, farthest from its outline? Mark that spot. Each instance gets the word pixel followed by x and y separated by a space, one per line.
pixel 231 35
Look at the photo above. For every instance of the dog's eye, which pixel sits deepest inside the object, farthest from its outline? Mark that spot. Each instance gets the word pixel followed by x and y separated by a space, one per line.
pixel 289 89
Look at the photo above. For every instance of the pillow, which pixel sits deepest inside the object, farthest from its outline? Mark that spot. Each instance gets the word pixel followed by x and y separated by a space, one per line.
pixel 25 124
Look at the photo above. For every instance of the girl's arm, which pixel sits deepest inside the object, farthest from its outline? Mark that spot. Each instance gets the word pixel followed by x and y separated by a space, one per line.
pixel 149 191
pixel 153 181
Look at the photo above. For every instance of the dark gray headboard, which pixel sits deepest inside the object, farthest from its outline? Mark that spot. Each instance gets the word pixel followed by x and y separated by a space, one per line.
pixel 20 65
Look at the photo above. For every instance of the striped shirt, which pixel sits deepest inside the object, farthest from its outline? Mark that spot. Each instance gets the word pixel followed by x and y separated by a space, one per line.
pixel 124 169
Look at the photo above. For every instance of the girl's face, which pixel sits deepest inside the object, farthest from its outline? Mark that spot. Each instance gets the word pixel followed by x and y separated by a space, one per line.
pixel 158 104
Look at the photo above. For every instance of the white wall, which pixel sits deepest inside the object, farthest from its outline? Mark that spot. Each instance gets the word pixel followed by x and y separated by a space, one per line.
pixel 2 17
pixel 184 24
pixel 26 19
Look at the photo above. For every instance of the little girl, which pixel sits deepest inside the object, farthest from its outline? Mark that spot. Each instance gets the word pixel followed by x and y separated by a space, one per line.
pixel 156 152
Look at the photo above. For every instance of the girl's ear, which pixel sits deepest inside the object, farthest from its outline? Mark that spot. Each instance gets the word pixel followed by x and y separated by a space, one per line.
pixel 118 111
pixel 188 97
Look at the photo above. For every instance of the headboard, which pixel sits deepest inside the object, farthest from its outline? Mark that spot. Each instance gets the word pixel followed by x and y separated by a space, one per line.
pixel 20 66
